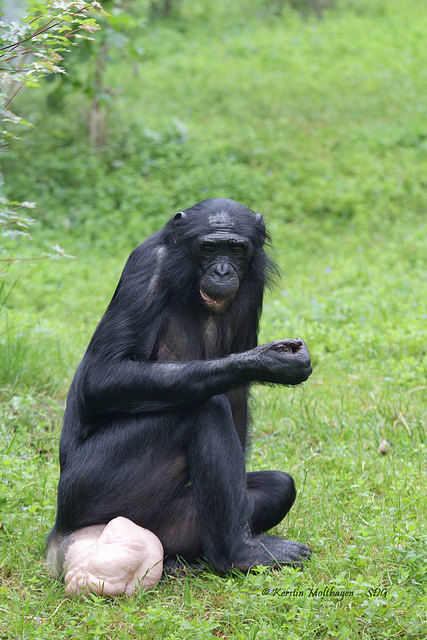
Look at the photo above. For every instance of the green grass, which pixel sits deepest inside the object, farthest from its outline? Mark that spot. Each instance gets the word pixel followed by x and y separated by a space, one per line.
pixel 323 127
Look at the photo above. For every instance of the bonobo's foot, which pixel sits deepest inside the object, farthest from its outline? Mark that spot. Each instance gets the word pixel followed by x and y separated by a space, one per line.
pixel 113 559
pixel 270 550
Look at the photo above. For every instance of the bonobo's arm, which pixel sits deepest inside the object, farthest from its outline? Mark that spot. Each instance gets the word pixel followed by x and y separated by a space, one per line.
pixel 136 386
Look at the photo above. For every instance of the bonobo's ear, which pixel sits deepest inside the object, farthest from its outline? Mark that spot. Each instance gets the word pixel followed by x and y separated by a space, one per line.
pixel 261 226
pixel 179 218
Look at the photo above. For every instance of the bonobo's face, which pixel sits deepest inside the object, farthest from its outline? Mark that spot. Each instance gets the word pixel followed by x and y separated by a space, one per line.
pixel 222 258
pixel 224 237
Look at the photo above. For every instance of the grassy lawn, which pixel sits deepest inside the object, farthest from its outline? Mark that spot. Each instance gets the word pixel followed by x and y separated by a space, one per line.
pixel 322 126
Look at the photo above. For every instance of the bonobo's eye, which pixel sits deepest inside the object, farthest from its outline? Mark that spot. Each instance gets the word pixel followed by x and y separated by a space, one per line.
pixel 236 250
pixel 208 250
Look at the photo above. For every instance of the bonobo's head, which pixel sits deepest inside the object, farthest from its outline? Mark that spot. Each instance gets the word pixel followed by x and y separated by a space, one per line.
pixel 222 236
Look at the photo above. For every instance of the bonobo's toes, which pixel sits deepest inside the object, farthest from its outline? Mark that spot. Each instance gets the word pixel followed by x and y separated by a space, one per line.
pixel 271 551
pixel 299 552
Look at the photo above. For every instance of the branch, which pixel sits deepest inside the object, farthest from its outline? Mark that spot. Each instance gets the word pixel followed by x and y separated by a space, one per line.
pixel 10 99
pixel 42 29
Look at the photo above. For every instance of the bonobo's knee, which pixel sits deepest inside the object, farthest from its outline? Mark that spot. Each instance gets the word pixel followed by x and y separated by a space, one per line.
pixel 218 409
pixel 277 484
pixel 282 489
pixel 286 486
pixel 273 493
pixel 214 442
pixel 213 426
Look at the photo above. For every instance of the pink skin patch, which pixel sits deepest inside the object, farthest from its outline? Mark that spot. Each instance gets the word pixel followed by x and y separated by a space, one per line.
pixel 217 305
pixel 113 559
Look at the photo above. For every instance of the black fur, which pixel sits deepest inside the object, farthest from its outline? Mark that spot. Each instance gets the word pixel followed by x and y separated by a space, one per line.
pixel 156 419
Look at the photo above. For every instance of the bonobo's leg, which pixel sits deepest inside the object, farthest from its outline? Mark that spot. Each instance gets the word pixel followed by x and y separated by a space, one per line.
pixel 218 477
pixel 107 559
pixel 183 478
pixel 217 473
pixel 273 493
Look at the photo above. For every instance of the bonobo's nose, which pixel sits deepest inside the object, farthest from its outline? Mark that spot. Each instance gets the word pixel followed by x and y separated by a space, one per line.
pixel 222 271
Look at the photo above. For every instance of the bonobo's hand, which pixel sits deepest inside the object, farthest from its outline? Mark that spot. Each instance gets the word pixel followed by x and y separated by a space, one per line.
pixel 283 361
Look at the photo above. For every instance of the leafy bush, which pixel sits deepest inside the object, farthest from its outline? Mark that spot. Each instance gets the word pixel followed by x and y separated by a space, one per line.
pixel 30 49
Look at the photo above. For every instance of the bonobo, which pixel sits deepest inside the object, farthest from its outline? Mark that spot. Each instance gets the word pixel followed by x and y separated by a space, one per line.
pixel 152 451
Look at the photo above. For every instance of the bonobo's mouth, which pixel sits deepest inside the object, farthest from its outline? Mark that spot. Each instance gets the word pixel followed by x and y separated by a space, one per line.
pixel 212 304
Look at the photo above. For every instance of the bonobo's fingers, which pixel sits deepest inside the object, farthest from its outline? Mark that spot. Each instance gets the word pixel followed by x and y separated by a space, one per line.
pixel 292 345
pixel 283 361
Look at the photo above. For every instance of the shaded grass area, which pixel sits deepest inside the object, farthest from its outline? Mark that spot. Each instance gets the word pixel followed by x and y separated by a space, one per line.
pixel 322 127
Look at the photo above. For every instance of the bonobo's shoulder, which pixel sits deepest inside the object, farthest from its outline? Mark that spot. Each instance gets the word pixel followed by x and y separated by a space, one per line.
pixel 151 243
pixel 148 248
